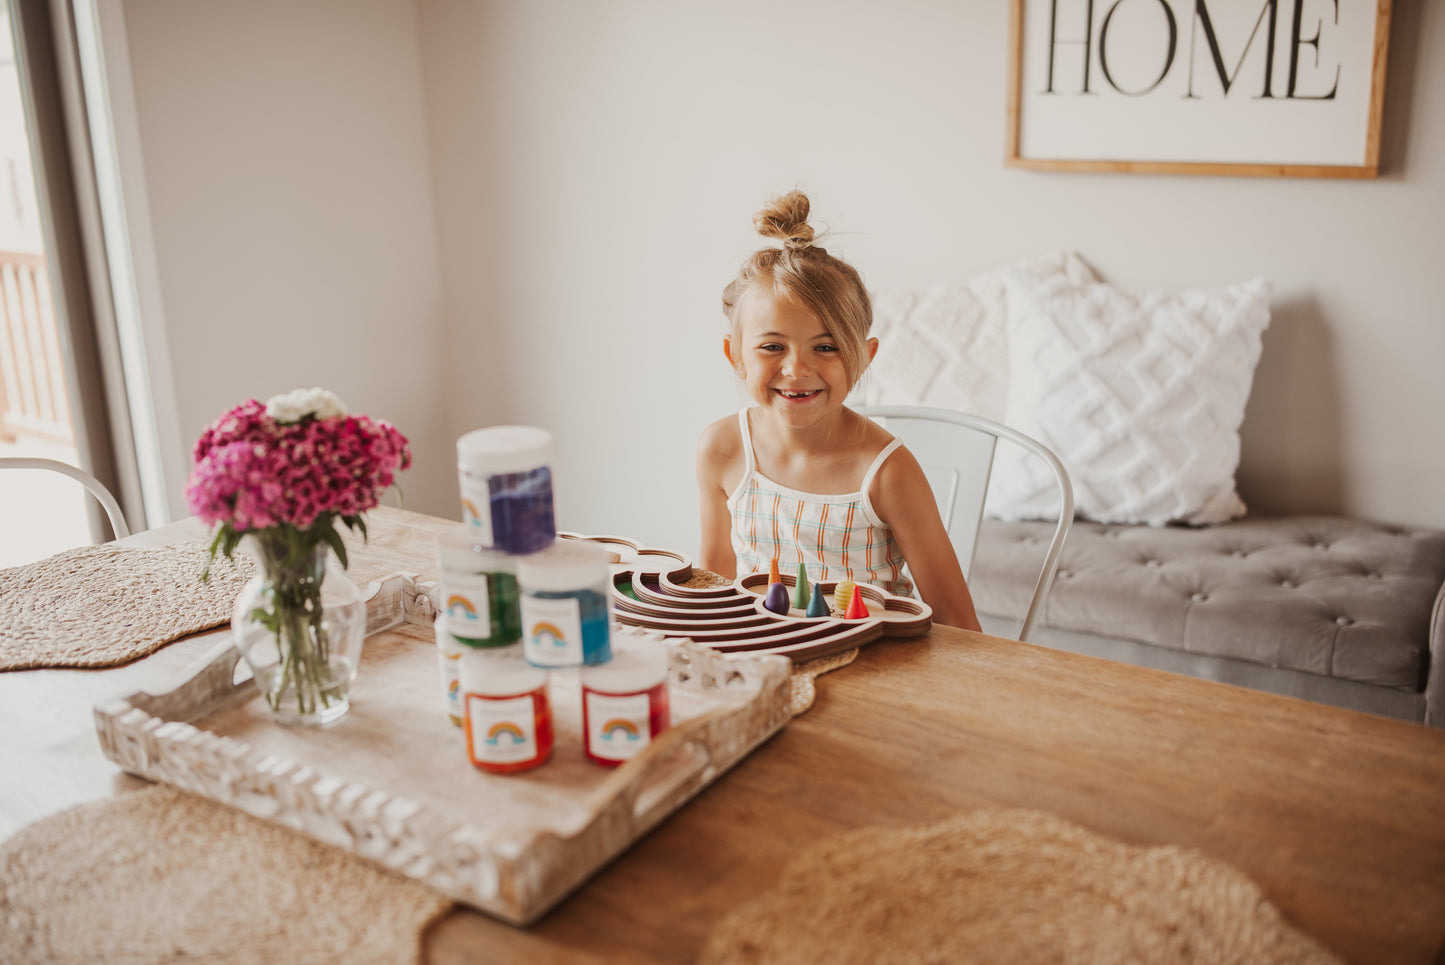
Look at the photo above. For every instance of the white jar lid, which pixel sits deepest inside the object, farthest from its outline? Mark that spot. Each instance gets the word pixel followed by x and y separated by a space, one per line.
pixel 504 449
pixel 638 663
pixel 461 550
pixel 447 643
pixel 566 565
pixel 500 672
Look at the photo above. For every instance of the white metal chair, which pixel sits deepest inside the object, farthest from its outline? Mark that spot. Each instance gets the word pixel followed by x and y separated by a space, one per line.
pixel 956 451
pixel 92 485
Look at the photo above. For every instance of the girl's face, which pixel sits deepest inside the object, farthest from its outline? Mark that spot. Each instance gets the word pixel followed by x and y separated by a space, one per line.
pixel 788 361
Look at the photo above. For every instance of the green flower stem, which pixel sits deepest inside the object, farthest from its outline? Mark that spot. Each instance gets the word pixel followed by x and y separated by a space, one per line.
pixel 294 563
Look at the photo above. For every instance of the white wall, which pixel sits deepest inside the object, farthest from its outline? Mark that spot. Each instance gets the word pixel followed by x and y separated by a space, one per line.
pixel 284 147
pixel 600 164
pixel 593 172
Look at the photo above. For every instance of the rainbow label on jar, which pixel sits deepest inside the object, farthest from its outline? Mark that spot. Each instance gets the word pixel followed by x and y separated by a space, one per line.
pixel 452 685
pixel 468 605
pixel 617 727
pixel 503 731
pixel 477 506
pixel 554 631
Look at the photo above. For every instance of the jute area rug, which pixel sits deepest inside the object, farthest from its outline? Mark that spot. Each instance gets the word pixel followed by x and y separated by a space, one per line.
pixel 805 690
pixel 161 876
pixel 100 606
pixel 1006 886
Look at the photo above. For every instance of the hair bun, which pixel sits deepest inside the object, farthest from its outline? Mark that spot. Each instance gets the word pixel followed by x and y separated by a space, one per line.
pixel 786 218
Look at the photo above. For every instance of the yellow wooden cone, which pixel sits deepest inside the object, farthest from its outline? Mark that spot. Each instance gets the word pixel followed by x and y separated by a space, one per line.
pixel 842 595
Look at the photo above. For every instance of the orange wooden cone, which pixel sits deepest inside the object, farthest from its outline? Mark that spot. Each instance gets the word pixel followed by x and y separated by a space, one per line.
pixel 857 609
pixel 773 576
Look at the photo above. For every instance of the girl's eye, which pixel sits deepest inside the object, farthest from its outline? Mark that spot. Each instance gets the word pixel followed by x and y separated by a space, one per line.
pixel 770 347
pixel 826 348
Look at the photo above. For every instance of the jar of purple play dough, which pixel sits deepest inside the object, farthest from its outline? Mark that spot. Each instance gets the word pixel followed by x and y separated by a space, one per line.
pixel 506 482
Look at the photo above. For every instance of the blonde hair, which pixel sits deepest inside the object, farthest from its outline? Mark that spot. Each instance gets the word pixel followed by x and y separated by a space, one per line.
pixel 806 275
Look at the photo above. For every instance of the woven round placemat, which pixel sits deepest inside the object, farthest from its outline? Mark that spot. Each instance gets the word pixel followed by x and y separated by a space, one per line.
pixel 99 606
pixel 1005 886
pixel 158 875
pixel 805 691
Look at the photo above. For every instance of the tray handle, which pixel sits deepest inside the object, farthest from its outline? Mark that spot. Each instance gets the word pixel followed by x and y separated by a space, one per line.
pixel 208 682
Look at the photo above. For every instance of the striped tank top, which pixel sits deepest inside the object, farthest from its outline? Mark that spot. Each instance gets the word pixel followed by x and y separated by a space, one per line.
pixel 837 537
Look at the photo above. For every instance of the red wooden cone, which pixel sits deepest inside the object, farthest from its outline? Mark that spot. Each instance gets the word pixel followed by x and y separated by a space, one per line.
pixel 857 609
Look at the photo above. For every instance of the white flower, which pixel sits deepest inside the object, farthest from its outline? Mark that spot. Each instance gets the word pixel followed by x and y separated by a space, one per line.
pixel 297 404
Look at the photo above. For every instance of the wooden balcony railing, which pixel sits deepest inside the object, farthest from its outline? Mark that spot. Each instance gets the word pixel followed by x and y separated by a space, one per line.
pixel 33 400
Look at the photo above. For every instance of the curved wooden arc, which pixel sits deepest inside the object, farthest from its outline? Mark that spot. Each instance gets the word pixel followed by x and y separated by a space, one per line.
pixel 732 618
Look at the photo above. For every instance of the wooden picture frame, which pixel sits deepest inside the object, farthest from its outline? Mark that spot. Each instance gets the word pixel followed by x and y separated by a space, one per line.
pixel 1270 88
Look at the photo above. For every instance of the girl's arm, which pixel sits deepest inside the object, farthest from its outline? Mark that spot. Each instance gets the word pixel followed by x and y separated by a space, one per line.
pixel 905 501
pixel 716 451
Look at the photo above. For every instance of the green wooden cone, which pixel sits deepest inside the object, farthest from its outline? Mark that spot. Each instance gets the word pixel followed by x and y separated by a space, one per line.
pixel 800 595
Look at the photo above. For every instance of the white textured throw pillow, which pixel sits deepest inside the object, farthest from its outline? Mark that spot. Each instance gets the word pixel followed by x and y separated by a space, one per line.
pixel 948 346
pixel 1140 397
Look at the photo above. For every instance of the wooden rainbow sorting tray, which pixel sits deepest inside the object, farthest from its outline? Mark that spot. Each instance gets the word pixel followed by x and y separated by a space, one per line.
pixel 733 619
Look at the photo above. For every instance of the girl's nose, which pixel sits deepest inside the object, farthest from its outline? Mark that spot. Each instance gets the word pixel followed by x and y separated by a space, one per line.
pixel 796 364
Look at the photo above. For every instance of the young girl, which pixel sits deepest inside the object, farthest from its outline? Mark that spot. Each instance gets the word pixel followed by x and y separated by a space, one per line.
pixel 800 476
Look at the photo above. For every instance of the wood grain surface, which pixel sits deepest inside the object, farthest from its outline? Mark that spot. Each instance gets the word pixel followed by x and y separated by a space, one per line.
pixel 1339 816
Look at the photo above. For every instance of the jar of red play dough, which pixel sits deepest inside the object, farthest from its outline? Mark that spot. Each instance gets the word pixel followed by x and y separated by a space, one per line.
pixel 624 701
pixel 508 717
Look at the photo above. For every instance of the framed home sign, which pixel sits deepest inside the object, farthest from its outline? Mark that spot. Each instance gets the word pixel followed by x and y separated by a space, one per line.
pixel 1290 88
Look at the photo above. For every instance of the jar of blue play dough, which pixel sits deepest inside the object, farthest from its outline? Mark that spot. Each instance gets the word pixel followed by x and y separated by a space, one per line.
pixel 506 482
pixel 566 609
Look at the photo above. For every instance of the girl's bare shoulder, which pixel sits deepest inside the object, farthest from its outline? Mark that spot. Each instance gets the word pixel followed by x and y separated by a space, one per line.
pixel 722 439
pixel 869 436
pixel 720 457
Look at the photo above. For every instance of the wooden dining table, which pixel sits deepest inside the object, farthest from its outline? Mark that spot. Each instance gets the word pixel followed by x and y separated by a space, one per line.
pixel 1338 816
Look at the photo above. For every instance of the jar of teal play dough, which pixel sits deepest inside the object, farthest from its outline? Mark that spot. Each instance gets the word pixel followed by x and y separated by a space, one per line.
pixel 478 590
pixel 505 473
pixel 566 607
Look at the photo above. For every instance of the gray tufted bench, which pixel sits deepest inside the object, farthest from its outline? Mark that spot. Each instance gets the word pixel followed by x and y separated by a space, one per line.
pixel 1321 607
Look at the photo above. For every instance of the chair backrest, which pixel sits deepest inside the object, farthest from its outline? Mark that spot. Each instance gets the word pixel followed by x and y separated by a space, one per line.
pixel 92 485
pixel 956 452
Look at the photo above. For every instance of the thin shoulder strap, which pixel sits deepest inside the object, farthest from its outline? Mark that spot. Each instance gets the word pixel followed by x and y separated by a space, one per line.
pixel 743 427
pixel 878 462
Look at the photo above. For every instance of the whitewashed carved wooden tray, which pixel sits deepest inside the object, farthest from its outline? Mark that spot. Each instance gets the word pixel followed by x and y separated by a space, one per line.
pixel 390 781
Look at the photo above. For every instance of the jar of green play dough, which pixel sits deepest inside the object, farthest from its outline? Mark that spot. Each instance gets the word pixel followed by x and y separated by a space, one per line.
pixel 566 606
pixel 478 590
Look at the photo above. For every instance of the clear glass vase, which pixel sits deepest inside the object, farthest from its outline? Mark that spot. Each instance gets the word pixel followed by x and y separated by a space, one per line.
pixel 300 626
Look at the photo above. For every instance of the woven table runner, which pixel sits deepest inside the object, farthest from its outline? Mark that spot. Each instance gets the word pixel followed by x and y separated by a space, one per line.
pixel 99 606
pixel 158 875
pixel 804 689
pixel 1006 886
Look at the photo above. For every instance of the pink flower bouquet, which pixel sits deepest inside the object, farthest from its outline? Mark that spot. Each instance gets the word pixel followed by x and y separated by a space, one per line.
pixel 297 462
pixel 285 473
